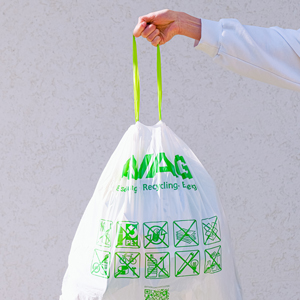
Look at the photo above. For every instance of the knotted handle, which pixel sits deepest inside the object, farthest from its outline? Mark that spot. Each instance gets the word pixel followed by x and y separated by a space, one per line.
pixel 136 82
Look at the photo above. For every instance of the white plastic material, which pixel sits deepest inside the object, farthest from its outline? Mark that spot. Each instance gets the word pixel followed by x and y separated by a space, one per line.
pixel 154 228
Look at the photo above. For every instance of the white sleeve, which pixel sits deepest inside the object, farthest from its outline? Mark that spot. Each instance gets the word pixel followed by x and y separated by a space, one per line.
pixel 271 55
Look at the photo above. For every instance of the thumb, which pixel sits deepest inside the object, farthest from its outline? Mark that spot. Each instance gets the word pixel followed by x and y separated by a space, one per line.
pixel 148 18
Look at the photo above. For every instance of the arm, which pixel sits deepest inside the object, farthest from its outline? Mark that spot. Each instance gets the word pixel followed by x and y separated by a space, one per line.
pixel 271 55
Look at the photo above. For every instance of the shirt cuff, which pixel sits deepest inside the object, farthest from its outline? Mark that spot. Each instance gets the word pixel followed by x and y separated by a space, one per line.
pixel 210 33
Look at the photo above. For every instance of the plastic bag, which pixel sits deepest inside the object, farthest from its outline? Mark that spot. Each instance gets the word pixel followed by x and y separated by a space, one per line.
pixel 154 228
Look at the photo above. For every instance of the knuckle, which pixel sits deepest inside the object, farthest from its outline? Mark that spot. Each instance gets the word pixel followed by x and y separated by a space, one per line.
pixel 155 41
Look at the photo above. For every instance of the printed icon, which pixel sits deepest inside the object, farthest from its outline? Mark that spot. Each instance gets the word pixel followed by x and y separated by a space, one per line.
pixel 187 263
pixel 158 293
pixel 156 235
pixel 127 234
pixel 157 265
pixel 211 231
pixel 213 260
pixel 127 265
pixel 104 235
pixel 100 263
pixel 185 233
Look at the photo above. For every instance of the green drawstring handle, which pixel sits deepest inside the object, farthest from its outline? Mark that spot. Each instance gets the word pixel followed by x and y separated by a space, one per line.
pixel 136 82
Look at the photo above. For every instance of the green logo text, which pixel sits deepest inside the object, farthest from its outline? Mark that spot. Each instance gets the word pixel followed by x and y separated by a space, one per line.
pixel 160 164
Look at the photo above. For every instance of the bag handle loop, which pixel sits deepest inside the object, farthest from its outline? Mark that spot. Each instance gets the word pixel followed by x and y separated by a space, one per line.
pixel 136 82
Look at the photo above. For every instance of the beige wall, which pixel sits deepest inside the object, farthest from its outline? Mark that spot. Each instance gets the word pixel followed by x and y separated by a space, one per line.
pixel 67 98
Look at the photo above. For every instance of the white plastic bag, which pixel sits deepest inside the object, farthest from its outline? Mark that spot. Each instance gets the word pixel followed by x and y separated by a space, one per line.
pixel 154 228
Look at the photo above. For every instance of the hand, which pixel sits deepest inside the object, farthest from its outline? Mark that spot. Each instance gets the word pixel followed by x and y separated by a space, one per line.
pixel 158 27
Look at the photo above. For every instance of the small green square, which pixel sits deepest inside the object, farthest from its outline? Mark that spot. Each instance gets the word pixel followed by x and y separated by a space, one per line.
pixel 104 234
pixel 211 231
pixel 187 263
pixel 101 263
pixel 157 265
pixel 127 234
pixel 185 233
pixel 213 260
pixel 156 235
pixel 127 265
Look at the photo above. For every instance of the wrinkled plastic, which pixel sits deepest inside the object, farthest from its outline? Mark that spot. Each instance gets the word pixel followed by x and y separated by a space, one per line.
pixel 154 228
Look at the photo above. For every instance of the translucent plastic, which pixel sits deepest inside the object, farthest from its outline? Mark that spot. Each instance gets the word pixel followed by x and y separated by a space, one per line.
pixel 154 228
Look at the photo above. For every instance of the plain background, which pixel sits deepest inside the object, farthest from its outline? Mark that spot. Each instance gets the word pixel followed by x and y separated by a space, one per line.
pixel 67 98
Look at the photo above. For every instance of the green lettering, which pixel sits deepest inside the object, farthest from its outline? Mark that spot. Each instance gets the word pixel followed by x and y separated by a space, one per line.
pixel 144 165
pixel 131 170
pixel 186 174
pixel 126 171
pixel 137 173
pixel 134 168
pixel 155 168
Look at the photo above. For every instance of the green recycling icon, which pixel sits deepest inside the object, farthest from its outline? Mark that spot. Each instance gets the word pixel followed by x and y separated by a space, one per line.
pixel 157 265
pixel 127 234
pixel 156 235
pixel 187 263
pixel 213 260
pixel 104 235
pixel 127 265
pixel 211 231
pixel 185 233
pixel 100 263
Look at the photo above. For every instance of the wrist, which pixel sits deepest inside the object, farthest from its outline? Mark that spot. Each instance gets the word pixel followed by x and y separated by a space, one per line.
pixel 189 26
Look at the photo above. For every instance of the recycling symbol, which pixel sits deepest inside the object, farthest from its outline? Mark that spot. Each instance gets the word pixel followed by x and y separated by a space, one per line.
pixel 156 234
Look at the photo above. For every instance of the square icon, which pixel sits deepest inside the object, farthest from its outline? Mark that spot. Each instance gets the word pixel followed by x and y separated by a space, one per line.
pixel 127 234
pixel 187 263
pixel 213 260
pixel 157 265
pixel 185 233
pixel 127 265
pixel 211 231
pixel 104 234
pixel 101 263
pixel 156 235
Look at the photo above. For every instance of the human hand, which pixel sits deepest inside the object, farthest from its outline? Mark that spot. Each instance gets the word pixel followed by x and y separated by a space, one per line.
pixel 158 27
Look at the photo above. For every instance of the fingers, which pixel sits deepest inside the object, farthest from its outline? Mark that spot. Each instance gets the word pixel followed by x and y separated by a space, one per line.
pixel 150 32
pixel 147 29
pixel 156 41
pixel 150 29
pixel 139 28
pixel 142 24
pixel 154 37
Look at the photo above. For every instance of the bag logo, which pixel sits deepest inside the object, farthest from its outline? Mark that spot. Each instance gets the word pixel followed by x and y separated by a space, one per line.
pixel 179 168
